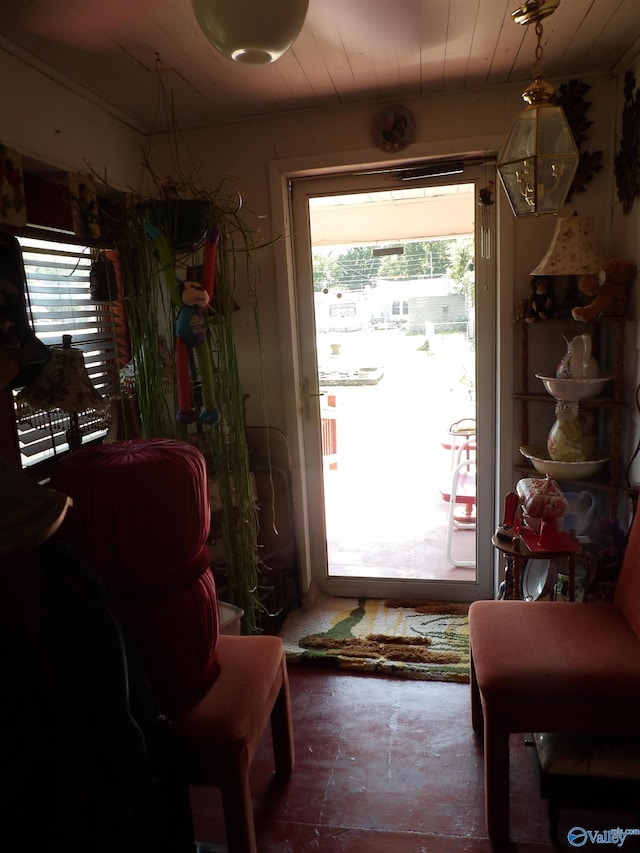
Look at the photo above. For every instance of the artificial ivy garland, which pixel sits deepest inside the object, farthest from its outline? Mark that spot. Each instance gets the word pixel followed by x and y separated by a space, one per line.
pixel 627 159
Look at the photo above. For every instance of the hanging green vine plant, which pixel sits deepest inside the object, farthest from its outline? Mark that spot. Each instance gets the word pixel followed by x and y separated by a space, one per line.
pixel 157 272
pixel 159 260
pixel 150 375
pixel 228 442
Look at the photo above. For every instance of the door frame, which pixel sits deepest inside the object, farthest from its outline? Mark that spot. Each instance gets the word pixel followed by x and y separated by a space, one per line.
pixel 307 455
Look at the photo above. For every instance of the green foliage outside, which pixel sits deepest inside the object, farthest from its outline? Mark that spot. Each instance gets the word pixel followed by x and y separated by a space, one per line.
pixel 355 267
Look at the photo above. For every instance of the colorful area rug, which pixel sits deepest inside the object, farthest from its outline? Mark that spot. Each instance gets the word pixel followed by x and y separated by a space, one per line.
pixel 426 640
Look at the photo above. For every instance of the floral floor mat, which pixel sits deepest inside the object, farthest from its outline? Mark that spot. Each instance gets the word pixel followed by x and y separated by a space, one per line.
pixel 426 640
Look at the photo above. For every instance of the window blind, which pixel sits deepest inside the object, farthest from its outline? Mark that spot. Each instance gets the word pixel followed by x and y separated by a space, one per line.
pixel 58 299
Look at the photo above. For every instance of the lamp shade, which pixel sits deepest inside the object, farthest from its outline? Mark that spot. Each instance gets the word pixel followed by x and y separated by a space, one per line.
pixel 29 513
pixel 248 31
pixel 574 249
pixel 538 163
pixel 63 384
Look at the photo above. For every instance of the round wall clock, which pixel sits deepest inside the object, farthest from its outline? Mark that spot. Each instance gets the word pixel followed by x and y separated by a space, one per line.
pixel 394 128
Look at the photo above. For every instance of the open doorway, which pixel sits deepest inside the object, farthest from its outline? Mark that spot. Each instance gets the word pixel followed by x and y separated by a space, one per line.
pixel 395 342
pixel 394 369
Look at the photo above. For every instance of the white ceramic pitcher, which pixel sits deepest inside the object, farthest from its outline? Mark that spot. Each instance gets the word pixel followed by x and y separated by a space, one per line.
pixel 578 361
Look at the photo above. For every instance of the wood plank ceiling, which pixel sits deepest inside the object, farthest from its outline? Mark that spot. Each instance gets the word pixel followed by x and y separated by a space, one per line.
pixel 349 51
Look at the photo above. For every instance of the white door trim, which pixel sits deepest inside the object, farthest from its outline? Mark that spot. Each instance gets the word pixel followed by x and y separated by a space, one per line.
pixel 307 454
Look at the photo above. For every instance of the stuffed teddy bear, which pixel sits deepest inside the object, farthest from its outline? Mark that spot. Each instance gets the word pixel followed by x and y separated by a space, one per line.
pixel 609 291
pixel 542 304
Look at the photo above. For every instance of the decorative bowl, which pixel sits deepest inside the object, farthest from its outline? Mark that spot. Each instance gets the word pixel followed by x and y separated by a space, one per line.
pixel 539 457
pixel 573 390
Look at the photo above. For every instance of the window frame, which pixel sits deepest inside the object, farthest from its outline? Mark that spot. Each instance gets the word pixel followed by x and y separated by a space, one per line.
pixel 64 283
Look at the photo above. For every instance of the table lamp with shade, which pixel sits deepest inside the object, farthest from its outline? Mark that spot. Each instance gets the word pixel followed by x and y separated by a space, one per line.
pixel 574 249
pixel 64 384
pixel 29 513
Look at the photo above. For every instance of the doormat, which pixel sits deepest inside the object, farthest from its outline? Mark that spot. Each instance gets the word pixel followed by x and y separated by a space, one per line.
pixel 427 640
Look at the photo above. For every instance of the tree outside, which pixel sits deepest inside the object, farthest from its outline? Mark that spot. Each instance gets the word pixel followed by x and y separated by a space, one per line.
pixel 357 267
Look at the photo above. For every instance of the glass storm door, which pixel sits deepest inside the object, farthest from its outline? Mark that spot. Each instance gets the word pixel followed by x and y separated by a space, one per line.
pixel 395 289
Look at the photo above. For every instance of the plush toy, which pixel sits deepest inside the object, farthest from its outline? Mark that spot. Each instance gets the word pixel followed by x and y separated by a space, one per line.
pixel 542 303
pixel 193 355
pixel 609 291
pixel 191 341
pixel 190 327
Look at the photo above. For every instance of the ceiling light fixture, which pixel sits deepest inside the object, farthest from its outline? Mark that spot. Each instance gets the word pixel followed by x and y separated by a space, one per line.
pixel 251 32
pixel 540 158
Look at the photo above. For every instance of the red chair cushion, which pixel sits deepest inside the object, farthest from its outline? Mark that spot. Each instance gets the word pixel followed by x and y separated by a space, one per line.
pixel 141 509
pixel 251 670
pixel 141 516
pixel 553 666
pixel 627 594
pixel 177 635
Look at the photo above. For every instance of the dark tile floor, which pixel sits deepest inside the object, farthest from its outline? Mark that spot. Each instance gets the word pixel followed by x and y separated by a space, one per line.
pixel 385 764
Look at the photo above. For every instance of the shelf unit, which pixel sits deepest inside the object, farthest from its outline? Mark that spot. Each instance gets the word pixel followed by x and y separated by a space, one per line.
pixel 608 349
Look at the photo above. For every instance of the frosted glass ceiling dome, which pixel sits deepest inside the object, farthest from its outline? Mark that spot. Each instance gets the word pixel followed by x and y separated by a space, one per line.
pixel 254 33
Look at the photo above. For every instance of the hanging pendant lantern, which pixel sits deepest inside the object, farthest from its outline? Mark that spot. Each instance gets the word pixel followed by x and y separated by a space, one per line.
pixel 251 32
pixel 539 161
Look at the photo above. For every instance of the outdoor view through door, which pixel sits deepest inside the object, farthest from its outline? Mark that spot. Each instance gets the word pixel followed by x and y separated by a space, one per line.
pixel 395 343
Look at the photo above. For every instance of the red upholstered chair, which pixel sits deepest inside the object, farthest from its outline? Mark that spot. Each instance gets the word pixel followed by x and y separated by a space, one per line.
pixel 141 517
pixel 217 738
pixel 553 667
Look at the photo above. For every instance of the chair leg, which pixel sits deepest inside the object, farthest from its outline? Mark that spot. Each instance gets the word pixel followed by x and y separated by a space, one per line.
pixel 238 810
pixel 496 781
pixel 282 730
